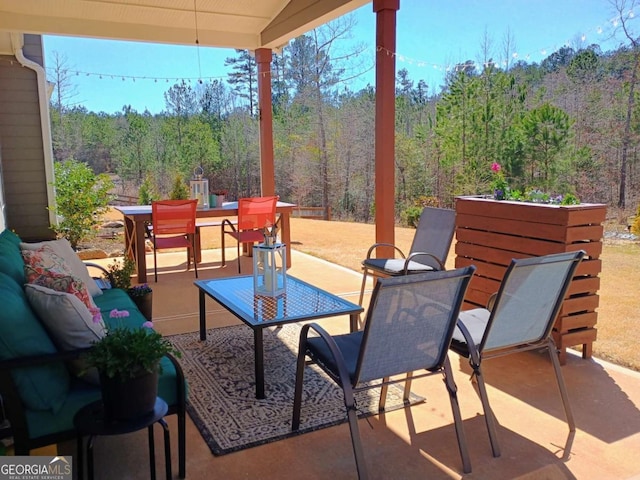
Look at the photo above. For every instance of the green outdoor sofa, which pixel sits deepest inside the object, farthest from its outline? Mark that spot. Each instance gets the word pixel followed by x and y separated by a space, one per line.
pixel 39 392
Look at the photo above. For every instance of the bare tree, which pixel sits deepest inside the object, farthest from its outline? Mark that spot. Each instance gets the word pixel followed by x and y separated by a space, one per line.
pixel 624 10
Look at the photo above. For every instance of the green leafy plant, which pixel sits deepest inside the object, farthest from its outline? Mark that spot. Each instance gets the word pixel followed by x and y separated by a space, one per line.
pixel 81 198
pixel 127 352
pixel 146 193
pixel 119 273
pixel 179 191
pixel 635 226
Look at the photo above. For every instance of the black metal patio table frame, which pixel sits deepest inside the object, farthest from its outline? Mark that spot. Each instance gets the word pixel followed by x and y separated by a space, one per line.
pixel 301 302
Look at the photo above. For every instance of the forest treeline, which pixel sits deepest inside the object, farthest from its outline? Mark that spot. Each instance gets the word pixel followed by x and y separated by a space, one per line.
pixel 569 124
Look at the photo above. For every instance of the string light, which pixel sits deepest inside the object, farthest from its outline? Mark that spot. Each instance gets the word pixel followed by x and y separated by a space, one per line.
pixel 599 30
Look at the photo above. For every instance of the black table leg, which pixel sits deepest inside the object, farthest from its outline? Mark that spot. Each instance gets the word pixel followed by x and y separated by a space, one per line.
pixel 167 448
pixel 259 362
pixel 90 457
pixel 152 454
pixel 80 459
pixel 203 317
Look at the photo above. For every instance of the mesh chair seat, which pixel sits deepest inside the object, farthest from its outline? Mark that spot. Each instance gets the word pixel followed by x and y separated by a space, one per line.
pixel 475 321
pixel 395 266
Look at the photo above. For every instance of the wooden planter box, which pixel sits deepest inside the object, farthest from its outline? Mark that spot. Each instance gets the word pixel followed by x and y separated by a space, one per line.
pixel 489 233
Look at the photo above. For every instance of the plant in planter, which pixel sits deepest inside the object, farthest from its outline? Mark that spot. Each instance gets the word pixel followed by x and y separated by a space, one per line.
pixel 119 275
pixel 501 191
pixel 128 361
pixel 142 295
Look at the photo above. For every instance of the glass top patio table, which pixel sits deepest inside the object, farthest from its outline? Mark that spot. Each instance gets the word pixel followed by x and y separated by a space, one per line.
pixel 302 301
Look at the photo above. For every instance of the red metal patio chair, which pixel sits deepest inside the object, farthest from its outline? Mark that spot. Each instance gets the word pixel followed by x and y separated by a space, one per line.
pixel 254 214
pixel 174 226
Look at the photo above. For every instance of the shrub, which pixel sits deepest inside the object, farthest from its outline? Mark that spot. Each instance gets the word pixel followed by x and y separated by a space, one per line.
pixel 120 273
pixel 179 191
pixel 147 193
pixel 635 226
pixel 81 197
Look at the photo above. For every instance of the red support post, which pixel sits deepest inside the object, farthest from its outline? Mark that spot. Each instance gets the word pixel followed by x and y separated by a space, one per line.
pixel 267 169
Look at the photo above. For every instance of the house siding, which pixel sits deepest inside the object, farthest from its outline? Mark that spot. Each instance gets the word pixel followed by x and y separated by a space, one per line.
pixel 23 167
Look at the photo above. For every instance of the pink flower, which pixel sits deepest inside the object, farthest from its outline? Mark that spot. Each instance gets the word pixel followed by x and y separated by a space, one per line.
pixel 148 325
pixel 95 314
pixel 495 167
pixel 115 313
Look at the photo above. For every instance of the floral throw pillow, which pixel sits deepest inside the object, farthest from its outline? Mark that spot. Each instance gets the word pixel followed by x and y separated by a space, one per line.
pixel 46 268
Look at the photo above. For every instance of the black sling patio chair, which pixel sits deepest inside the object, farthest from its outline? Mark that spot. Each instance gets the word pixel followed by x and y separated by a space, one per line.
pixel 428 252
pixel 409 325
pixel 520 318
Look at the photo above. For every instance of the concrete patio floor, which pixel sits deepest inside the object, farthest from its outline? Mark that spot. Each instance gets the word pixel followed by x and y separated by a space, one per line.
pixel 413 443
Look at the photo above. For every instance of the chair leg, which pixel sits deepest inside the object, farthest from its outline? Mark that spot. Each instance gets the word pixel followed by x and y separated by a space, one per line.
pixel 222 243
pixel 561 385
pixel 452 389
pixel 356 442
pixel 364 282
pixel 182 444
pixel 489 418
pixel 297 396
pixel 238 248
pixel 383 394
pixel 193 249
pixel 407 388
pixel 155 262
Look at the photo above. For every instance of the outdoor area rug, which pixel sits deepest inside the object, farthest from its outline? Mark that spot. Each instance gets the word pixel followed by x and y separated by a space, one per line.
pixel 221 399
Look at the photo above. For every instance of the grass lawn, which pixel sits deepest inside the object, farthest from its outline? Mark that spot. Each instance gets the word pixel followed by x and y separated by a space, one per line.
pixel 346 244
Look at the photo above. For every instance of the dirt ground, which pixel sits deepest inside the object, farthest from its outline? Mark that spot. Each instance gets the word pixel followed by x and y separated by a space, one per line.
pixel 346 244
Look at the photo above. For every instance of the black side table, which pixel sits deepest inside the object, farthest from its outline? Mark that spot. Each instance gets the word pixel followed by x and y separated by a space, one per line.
pixel 90 421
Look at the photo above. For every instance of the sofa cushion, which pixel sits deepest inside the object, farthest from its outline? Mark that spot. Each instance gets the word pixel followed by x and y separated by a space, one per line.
pixel 116 298
pixel 10 259
pixel 46 268
pixel 63 249
pixel 21 334
pixel 69 323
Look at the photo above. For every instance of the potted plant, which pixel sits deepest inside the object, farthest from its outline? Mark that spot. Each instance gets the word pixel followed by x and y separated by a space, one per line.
pixel 119 275
pixel 142 295
pixel 128 361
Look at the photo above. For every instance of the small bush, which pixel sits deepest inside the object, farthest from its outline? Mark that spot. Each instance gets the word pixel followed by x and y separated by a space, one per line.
pixel 411 216
pixel 635 226
pixel 179 191
pixel 147 193
pixel 81 198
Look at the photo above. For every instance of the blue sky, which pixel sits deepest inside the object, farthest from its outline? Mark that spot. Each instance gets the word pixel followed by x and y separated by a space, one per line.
pixel 432 35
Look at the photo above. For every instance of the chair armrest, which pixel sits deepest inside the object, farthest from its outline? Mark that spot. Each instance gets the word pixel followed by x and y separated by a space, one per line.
pixel 181 386
pixel 376 245
pixel 107 277
pixel 343 374
pixel 492 301
pixel 33 360
pixel 226 221
pixel 422 254
pixel 474 355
